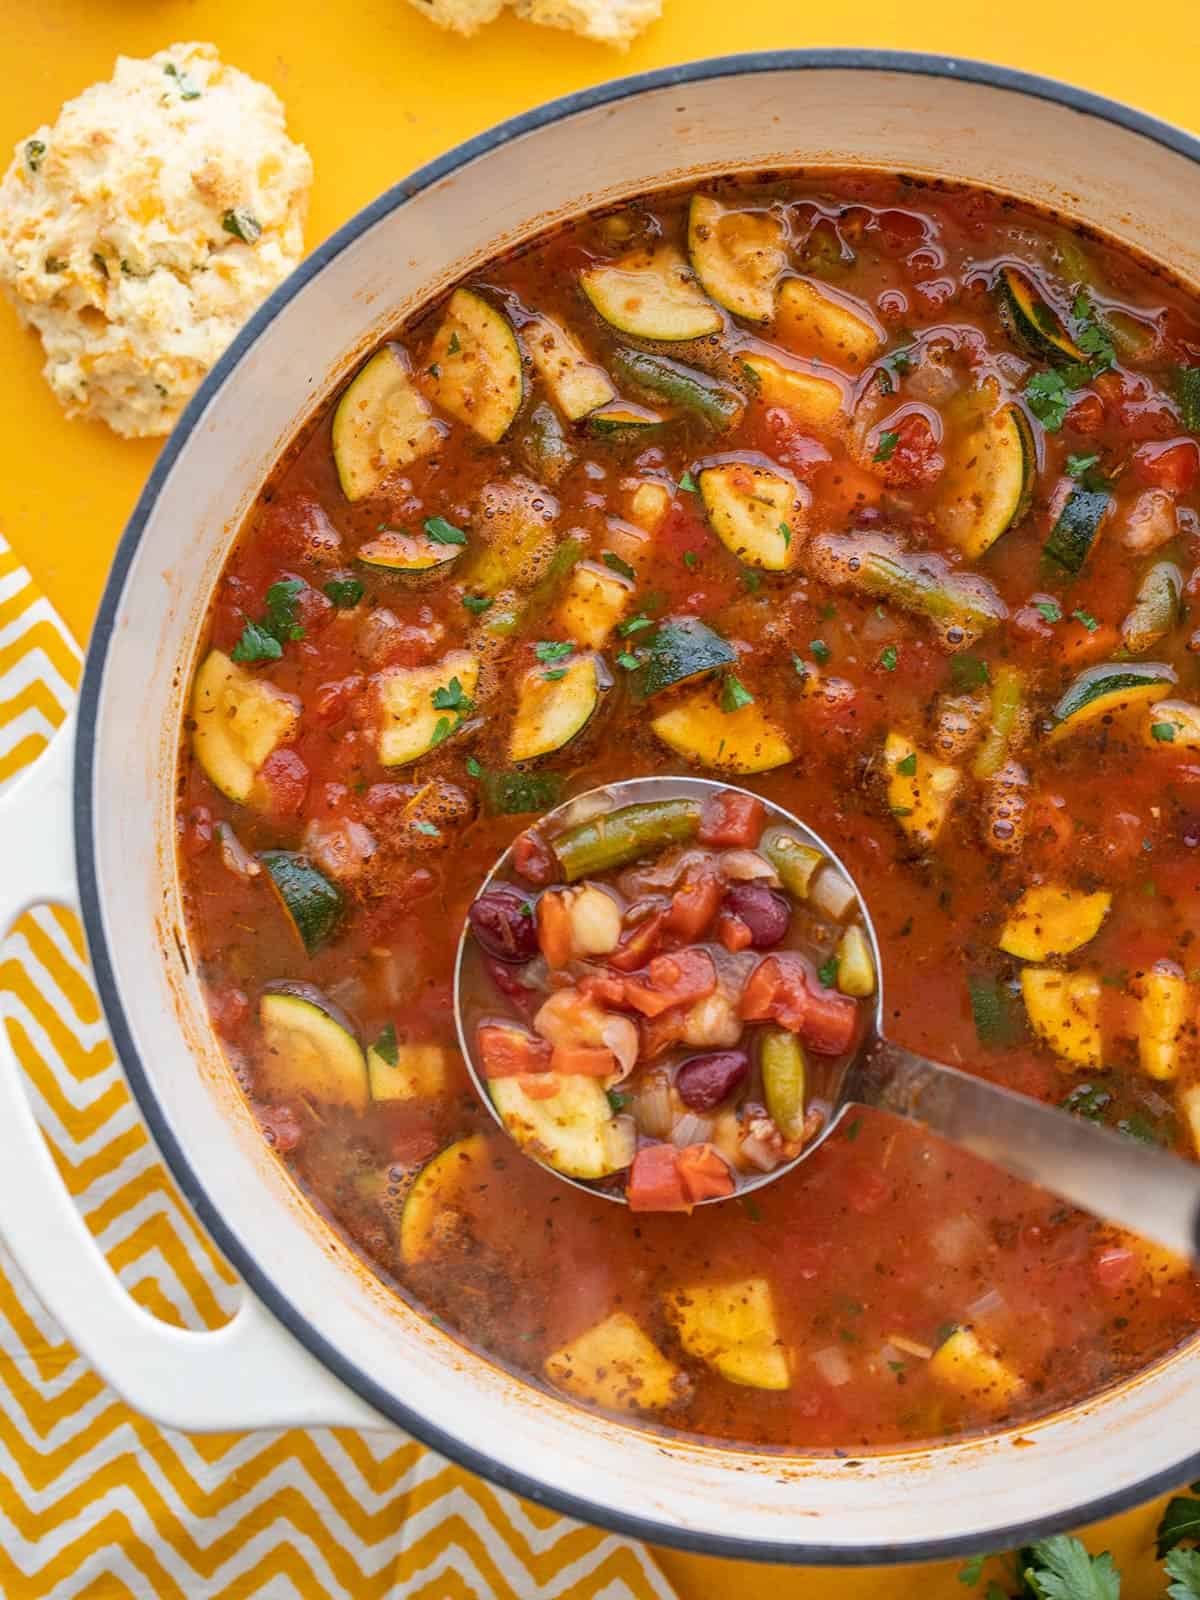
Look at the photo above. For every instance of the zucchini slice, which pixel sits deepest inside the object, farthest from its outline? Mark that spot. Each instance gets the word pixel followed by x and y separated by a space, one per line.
pixel 737 256
pixel 815 401
pixel 398 1071
pixel 572 1130
pixel 440 1198
pixel 754 513
pixel 716 405
pixel 1064 1011
pixel 616 1365
pixel 516 519
pixel 309 1050
pixel 576 384
pixel 919 789
pixel 733 1329
pixel 963 1363
pixel 623 421
pixel 682 648
pixel 382 423
pixel 474 369
pixel 552 711
pixel 392 551
pixel 1155 610
pixel 1031 321
pixel 1172 723
pixel 1104 690
pixel 651 294
pixel 1076 528
pixel 990 470
pixel 239 720
pixel 411 725
pixel 594 602
pixel 784 1074
pixel 1165 1020
pixel 313 904
pixel 1051 919
pixel 726 741
pixel 811 321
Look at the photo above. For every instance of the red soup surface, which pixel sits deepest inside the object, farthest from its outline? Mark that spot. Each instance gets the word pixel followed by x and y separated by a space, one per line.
pixel 873 499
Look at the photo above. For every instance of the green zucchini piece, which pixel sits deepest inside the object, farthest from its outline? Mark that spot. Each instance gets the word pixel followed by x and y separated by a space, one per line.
pixel 793 861
pixel 782 1065
pixel 810 320
pixel 754 513
pixel 1008 695
pixel 1155 610
pixel 717 406
pixel 736 255
pixel 815 401
pixel 651 294
pixel 512 794
pixel 553 710
pixel 382 423
pixel 475 371
pixel 700 728
pixel 1109 687
pixel 515 523
pixel 622 421
pixel 990 471
pixel 962 606
pixel 313 904
pixel 615 838
pixel 681 648
pixel 309 1049
pixel 544 446
pixel 576 384
pixel 441 1194
pixel 1187 397
pixel 411 724
pixel 1077 527
pixel 412 553
pixel 239 720
pixel 573 1131
pixel 398 1071
pixel 1031 321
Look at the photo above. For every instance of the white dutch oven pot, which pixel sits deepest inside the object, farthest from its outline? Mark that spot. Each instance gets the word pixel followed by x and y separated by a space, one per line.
pixel 318 1340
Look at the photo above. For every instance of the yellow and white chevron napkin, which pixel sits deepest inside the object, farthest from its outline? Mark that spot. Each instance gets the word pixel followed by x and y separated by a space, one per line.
pixel 96 1501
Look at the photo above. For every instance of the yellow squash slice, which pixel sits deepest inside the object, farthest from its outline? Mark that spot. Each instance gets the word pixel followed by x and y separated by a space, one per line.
pixel 474 370
pixel 1064 1010
pixel 919 789
pixel 732 1328
pixel 615 1364
pixel 411 724
pixel 573 1130
pixel 308 1051
pixel 442 1194
pixel 1052 920
pixel 991 464
pixel 754 513
pixel 737 256
pixel 406 1071
pixel 576 384
pixel 1107 690
pixel 552 710
pixel 652 294
pixel 1166 1020
pixel 813 322
pixel 726 741
pixel 382 423
pixel 814 401
pixel 239 720
pixel 594 602
pixel 966 1365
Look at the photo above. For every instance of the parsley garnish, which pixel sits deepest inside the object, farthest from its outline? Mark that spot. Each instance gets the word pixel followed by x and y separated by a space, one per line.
pixel 552 649
pixel 617 1102
pixel 344 592
pixel 256 644
pixel 615 564
pixel 473 767
pixel 477 602
pixel 1050 609
pixel 1061 1569
pixel 1164 732
pixel 800 665
pixel 628 660
pixel 752 579
pixel 453 347
pixel 386 1046
pixel 907 768
pixel 885 447
pixel 687 483
pixel 1091 336
pixel 827 972
pixel 888 658
pixel 1180 1520
pixel 689 559
pixel 450 697
pixel 1086 618
pixel 1184 1566
pixel 734 694
pixel 969 672
pixel 785 533
pixel 1089 1100
pixel 241 225
pixel 264 641
pixel 854 1129
pixel 893 366
pixel 187 89
pixel 443 532
pixel 554 674
pixel 1048 396
pixel 820 650
pixel 635 625
pixel 443 728
pixel 971 1571
pixel 1079 466
pixel 35 150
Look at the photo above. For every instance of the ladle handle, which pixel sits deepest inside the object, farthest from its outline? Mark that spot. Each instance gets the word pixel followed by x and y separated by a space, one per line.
pixel 1112 1176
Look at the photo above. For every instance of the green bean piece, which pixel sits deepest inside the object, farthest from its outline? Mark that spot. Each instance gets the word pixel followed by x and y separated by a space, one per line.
pixel 1155 611
pixel 794 862
pixel 961 605
pixel 1008 691
pixel 781 1062
pixel 678 385
pixel 615 838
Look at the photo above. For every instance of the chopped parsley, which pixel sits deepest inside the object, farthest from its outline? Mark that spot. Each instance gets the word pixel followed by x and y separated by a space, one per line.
pixel 1080 466
pixel 1086 618
pixel 690 559
pixel 907 768
pixel 554 674
pixel 1164 732
pixel 387 1047
pixel 443 532
pixel 443 728
pixel 344 592
pixel 1060 1568
pixel 888 657
pixel 969 672
pixel 800 665
pixel 629 661
pixel 453 347
pixel 473 767
pixel 635 625
pixel 264 641
pixel 35 151
pixel 827 972
pixel 785 533
pixel 477 602
pixel 752 579
pixel 820 650
pixel 997 1022
pixel 256 644
pixel 1050 609
pixel 885 447
pixel 1090 1100
pixel 687 483
pixel 615 564
pixel 450 697
pixel 1092 337
pixel 1048 396
pixel 751 1208
pixel 242 225
pixel 893 366
pixel 854 1128
pixel 187 91
pixel 734 694
pixel 552 649
pixel 617 1102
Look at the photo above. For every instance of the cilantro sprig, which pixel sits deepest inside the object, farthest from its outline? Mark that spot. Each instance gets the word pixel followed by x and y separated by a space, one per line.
pixel 264 640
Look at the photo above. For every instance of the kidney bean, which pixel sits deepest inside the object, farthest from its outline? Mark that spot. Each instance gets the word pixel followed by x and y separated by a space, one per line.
pixel 763 910
pixel 502 920
pixel 704 1081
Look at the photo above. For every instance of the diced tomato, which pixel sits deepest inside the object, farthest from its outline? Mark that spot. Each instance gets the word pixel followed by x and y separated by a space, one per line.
pixel 703 1173
pixel 285 778
pixel 534 859
pixel 661 1032
pixel 414 1142
pixel 915 457
pixel 603 990
pixel 868 1190
pixel 901 230
pixel 313 610
pixel 228 1009
pixel 779 991
pixel 1086 415
pixel 1115 1268
pixel 508 1052
pixel 334 700
pixel 583 1060
pixel 636 948
pixel 298 528
pixel 1171 466
pixel 791 445
pixel 554 929
pixel 1050 828
pixel 694 905
pixel 655 1183
pixel 197 831
pixel 732 819
pixel 282 1126
pixel 539 1086
pixel 733 932
pixel 510 985
pixel 675 980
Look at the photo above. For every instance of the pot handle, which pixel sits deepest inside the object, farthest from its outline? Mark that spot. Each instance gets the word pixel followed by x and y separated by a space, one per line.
pixel 249 1374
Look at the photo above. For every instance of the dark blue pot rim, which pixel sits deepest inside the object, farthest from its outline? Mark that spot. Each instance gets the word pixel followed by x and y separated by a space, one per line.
pixel 801 1552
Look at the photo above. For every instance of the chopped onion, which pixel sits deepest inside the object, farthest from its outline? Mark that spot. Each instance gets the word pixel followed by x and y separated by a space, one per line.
pixel 986 1306
pixel 691 1129
pixel 652 1108
pixel 620 1035
pixel 955 1239
pixel 583 809
pixel 340 848
pixel 234 855
pixel 831 1363
pixel 745 866
pixel 910 1346
pixel 832 894
pixel 760 1154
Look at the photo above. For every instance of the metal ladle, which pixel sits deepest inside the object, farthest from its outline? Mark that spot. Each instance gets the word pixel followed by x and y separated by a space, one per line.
pixel 1143 1189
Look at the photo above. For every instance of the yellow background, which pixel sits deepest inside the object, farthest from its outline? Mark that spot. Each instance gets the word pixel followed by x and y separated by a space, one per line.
pixel 373 91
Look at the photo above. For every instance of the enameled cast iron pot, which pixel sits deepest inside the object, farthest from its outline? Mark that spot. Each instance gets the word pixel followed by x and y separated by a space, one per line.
pixel 318 1340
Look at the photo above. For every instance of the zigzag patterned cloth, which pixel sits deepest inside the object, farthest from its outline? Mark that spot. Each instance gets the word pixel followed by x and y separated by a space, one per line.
pixel 96 1501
